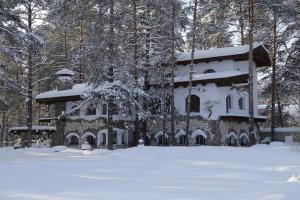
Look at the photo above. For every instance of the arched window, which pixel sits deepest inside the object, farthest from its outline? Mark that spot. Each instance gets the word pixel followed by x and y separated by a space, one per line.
pixel 195 103
pixel 104 109
pixel 228 103
pixel 168 103
pixel 74 111
pixel 209 71
pixel 91 140
pixel 241 103
pixel 74 140
pixel 200 140
pixel 103 139
pixel 123 139
pixel 182 139
pixel 244 141
pixel 115 137
pixel 90 110
pixel 232 140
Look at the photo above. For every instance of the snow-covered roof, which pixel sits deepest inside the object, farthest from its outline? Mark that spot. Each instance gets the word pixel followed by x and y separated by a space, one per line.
pixel 65 72
pixel 77 90
pixel 218 52
pixel 208 76
pixel 35 128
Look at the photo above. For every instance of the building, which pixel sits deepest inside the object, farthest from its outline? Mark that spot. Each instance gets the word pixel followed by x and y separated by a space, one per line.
pixel 219 104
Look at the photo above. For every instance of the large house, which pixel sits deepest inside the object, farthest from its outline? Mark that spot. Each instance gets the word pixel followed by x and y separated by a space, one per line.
pixel 219 104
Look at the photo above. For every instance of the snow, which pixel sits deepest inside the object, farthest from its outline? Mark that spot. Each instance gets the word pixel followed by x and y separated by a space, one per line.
pixel 218 52
pixel 50 128
pixel 77 90
pixel 65 72
pixel 262 172
pixel 208 76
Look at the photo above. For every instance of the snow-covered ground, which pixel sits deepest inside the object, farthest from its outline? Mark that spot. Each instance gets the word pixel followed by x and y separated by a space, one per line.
pixel 164 173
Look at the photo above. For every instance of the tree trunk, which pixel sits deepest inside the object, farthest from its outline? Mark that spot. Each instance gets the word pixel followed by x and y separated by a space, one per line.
pixel 250 88
pixel 29 80
pixel 241 23
pixel 81 75
pixel 188 106
pixel 280 116
pixel 110 131
pixel 172 136
pixel 136 135
pixel 274 53
pixel 2 129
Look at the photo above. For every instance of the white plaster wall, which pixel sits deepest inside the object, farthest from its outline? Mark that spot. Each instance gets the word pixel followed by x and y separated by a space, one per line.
pixel 225 65
pixel 213 93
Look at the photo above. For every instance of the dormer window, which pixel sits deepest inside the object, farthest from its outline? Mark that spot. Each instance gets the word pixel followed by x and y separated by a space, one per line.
pixel 209 71
pixel 90 110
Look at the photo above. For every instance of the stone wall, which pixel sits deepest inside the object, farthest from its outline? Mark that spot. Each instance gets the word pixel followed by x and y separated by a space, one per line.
pixel 225 127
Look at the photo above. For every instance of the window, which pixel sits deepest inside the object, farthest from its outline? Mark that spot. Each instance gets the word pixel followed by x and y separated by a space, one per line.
pixel 104 109
pixel 209 71
pixel 74 111
pixel 103 139
pixel 182 139
pixel 228 103
pixel 74 140
pixel 90 110
pixel 241 103
pixel 115 137
pixel 200 140
pixel 244 141
pixel 91 140
pixel 195 103
pixel 232 141
pixel 123 139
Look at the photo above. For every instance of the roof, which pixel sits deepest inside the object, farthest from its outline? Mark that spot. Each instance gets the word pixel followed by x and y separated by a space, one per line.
pixel 65 72
pixel 261 55
pixel 219 78
pixel 34 128
pixel 238 117
pixel 283 130
pixel 209 76
pixel 73 94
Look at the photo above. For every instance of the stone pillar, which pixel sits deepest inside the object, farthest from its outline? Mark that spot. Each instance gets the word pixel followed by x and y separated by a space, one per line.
pixel 59 136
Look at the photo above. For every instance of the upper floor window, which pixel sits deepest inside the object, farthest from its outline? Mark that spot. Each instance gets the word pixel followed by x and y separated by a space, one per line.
pixel 241 103
pixel 194 104
pixel 228 103
pixel 209 71
pixel 104 109
pixel 90 110
pixel 74 110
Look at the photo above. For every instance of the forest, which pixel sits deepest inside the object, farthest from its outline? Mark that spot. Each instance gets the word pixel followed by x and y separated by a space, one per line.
pixel 121 42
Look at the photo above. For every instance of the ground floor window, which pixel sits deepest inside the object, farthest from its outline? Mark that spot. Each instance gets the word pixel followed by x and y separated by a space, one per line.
pixel 182 140
pixel 200 140
pixel 91 140
pixel 123 139
pixel 103 139
pixel 74 140
pixel 244 141
pixel 232 141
